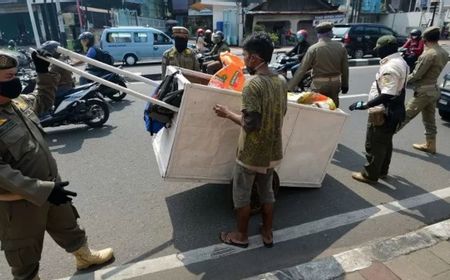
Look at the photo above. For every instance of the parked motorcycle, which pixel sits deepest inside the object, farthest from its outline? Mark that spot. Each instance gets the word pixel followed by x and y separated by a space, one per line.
pixel 83 104
pixel 27 79
pixel 284 64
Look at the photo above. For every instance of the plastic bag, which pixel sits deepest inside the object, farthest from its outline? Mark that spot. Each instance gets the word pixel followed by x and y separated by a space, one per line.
pixel 231 76
pixel 313 98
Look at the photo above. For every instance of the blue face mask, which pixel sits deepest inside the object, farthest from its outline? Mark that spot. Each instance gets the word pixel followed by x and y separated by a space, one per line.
pixel 300 38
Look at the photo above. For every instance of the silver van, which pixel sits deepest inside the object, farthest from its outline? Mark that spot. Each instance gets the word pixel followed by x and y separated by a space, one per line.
pixel 134 43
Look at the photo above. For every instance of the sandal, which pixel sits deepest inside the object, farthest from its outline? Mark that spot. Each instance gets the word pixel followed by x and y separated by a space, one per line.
pixel 266 244
pixel 225 237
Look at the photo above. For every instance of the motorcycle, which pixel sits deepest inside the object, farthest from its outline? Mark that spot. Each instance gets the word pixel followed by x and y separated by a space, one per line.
pixel 410 59
pixel 27 79
pixel 83 104
pixel 106 91
pixel 111 93
pixel 203 59
pixel 284 64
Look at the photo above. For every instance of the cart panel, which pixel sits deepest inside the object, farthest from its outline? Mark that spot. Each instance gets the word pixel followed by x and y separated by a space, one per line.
pixel 201 147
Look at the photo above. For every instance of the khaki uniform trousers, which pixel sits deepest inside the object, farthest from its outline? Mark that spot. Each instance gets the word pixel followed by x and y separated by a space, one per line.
pixel 378 150
pixel 22 229
pixel 425 103
pixel 330 88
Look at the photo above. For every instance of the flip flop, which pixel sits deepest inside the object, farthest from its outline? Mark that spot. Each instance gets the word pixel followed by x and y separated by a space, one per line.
pixel 266 244
pixel 226 239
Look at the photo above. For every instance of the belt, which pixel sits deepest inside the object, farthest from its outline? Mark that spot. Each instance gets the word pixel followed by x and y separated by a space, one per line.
pixel 327 79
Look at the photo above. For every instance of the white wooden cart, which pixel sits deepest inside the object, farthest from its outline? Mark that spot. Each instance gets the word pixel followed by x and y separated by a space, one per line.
pixel 201 147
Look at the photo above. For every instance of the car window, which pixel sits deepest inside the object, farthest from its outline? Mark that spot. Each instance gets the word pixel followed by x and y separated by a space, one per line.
pixel 371 31
pixel 118 37
pixel 385 31
pixel 339 31
pixel 140 37
pixel 160 39
pixel 358 30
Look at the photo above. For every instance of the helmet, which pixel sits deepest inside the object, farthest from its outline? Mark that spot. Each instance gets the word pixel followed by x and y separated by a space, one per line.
pixel 416 32
pixel 219 34
pixel 87 36
pixel 208 31
pixel 200 32
pixel 50 47
pixel 11 43
pixel 302 32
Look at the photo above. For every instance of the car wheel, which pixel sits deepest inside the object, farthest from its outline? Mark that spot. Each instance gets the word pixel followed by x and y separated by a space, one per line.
pixel 444 115
pixel 358 53
pixel 130 59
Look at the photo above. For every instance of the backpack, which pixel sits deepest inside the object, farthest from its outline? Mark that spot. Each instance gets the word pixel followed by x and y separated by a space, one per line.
pixel 103 56
pixel 155 116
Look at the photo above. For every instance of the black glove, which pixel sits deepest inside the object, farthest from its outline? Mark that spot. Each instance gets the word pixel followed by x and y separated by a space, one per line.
pixel 40 64
pixel 344 90
pixel 59 195
pixel 358 106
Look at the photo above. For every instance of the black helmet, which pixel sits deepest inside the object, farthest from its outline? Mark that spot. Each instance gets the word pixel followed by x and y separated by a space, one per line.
pixel 87 36
pixel 50 47
pixel 220 34
pixel 415 32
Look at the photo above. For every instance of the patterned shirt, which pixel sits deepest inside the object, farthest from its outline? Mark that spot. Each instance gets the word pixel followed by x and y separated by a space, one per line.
pixel 267 96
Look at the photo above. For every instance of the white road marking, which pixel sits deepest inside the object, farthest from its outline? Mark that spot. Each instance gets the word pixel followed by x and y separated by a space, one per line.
pixel 220 250
pixel 352 96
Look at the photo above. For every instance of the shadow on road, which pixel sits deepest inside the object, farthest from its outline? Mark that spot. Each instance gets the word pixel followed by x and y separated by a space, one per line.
pixel 347 158
pixel 66 141
pixel 438 159
pixel 119 106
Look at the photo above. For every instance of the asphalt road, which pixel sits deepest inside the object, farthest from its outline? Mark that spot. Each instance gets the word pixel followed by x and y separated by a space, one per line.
pixel 124 203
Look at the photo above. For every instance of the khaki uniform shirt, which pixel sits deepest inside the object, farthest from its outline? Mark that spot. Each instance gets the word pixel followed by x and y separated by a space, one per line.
pixel 219 48
pixel 326 58
pixel 186 59
pixel 65 77
pixel 428 68
pixel 27 167
pixel 391 78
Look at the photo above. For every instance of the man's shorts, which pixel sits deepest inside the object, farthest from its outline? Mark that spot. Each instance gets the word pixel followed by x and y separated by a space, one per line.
pixel 243 180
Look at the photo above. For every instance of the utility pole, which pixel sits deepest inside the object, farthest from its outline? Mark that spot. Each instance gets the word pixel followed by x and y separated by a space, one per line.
pixel 62 31
pixel 434 4
pixel 33 23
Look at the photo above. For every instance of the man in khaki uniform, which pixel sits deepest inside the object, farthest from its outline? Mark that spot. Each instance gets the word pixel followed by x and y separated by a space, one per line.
pixel 426 92
pixel 32 197
pixel 329 63
pixel 180 55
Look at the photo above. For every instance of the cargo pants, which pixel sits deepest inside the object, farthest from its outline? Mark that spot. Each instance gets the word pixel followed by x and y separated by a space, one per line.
pixel 328 88
pixel 424 101
pixel 378 150
pixel 22 229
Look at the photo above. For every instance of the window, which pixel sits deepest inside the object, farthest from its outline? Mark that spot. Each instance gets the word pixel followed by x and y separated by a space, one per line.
pixel 385 31
pixel 358 31
pixel 140 37
pixel 118 37
pixel 371 31
pixel 160 39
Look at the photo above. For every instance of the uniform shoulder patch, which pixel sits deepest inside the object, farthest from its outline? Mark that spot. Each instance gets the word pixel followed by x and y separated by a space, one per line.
pixel 21 104
pixel 3 121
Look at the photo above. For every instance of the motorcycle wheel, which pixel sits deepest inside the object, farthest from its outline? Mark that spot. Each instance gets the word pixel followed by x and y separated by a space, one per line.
pixel 99 111
pixel 118 95
pixel 305 84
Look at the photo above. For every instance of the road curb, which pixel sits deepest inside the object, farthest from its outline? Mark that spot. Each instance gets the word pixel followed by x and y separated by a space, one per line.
pixel 359 258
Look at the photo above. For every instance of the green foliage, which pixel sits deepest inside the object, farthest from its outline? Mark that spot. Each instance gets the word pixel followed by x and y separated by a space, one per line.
pixel 259 28
pixel 274 37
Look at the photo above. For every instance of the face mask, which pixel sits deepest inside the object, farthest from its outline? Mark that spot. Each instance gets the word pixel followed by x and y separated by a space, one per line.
pixel 180 44
pixel 11 89
pixel 414 37
pixel 216 40
pixel 252 71
pixel 384 52
pixel 300 38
